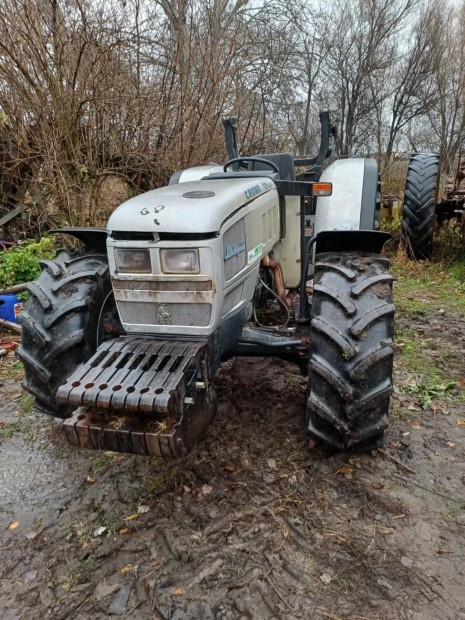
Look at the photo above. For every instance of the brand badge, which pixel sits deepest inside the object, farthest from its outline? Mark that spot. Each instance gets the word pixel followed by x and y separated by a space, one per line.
pixel 163 316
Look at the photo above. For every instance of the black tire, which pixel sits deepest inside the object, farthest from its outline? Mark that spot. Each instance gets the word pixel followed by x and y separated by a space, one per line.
pixel 61 322
pixel 421 195
pixel 350 367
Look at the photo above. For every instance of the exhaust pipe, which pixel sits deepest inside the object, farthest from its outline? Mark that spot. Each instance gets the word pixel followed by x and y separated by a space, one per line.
pixel 287 299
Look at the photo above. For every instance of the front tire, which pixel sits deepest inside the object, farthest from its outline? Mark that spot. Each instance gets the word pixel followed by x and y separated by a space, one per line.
pixel 421 196
pixel 61 323
pixel 350 368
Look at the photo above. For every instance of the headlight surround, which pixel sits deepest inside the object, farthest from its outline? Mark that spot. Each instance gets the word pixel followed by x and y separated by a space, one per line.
pixel 180 260
pixel 133 261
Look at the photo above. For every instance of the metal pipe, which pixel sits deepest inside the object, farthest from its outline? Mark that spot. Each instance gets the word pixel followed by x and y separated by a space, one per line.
pixel 273 264
pixel 256 336
pixel 12 327
pixel 303 310
pixel 17 288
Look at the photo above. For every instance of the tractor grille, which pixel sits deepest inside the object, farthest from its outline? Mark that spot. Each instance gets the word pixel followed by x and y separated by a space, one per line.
pixel 162 285
pixel 148 313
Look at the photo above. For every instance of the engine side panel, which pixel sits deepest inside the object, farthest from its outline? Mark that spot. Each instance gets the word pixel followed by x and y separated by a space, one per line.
pixel 287 251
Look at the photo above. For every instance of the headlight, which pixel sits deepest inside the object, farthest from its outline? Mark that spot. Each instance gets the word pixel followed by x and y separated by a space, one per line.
pixel 133 261
pixel 180 261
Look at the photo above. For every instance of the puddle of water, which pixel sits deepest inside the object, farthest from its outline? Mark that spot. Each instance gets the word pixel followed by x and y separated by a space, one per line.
pixel 34 485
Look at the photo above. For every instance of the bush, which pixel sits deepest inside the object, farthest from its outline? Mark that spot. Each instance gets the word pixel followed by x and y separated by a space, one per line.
pixel 21 262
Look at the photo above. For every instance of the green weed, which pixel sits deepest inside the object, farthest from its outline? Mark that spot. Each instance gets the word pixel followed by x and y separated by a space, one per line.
pixel 25 403
pixel 84 570
pixel 113 522
pixel 100 463
pixel 426 392
pixel 11 369
pixel 21 262
pixel 8 429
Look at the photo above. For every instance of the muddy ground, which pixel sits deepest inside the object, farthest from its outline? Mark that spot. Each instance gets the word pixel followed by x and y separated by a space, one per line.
pixel 258 522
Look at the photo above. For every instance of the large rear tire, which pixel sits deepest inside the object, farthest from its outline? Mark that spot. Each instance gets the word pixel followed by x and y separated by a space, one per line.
pixel 421 195
pixel 350 368
pixel 61 322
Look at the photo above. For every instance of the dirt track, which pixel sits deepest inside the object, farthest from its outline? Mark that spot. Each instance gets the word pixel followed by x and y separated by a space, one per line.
pixel 255 523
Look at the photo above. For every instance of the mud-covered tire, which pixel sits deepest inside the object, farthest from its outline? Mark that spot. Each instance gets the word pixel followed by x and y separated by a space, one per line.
pixel 60 322
pixel 350 366
pixel 421 195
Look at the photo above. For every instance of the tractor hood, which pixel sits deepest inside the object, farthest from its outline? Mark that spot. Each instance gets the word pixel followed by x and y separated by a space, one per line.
pixel 194 207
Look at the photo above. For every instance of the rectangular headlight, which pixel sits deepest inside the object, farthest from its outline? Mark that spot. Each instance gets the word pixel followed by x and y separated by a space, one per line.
pixel 133 261
pixel 180 261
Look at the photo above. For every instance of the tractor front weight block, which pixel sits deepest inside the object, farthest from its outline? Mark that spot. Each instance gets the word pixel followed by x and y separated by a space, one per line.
pixel 140 396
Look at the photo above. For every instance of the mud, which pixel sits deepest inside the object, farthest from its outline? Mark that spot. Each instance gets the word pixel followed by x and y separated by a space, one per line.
pixel 257 522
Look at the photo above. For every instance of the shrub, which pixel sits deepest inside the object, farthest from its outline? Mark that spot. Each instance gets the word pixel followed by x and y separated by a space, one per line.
pixel 21 262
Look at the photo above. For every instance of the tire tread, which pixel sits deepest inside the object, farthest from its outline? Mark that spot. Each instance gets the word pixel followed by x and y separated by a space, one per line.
pixel 60 322
pixel 350 367
pixel 420 199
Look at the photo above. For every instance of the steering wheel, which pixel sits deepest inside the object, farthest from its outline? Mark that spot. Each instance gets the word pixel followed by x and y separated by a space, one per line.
pixel 238 160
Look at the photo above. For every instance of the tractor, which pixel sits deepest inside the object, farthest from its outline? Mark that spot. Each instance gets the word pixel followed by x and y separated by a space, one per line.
pixel 122 337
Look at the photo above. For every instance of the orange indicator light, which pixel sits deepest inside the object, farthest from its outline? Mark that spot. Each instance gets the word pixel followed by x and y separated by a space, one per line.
pixel 322 189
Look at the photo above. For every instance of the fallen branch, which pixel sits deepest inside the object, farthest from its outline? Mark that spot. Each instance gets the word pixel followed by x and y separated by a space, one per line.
pixel 12 327
pixel 17 288
pixel 396 461
pixel 420 486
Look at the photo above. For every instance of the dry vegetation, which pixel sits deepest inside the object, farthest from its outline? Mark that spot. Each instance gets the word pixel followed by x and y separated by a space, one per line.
pixel 100 100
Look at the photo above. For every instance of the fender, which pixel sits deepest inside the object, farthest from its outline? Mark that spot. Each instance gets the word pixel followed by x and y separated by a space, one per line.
pixel 194 174
pixel 93 238
pixel 351 241
pixel 348 219
pixel 353 204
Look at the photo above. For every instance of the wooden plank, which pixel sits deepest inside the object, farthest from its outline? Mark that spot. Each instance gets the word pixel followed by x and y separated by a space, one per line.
pixel 10 215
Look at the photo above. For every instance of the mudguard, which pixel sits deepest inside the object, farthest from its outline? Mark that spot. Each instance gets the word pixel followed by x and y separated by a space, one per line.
pixel 348 219
pixel 92 238
pixel 352 205
pixel 351 241
pixel 194 174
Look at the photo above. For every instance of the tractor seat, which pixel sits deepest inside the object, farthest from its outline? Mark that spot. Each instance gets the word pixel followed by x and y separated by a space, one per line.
pixel 284 162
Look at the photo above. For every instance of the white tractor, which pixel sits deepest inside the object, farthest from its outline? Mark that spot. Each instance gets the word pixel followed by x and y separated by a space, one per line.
pixel 123 338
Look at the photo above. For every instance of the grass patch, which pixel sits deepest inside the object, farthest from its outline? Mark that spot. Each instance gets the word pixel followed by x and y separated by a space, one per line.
pixel 428 365
pixel 400 413
pixel 100 463
pixel 25 403
pixel 412 358
pixel 8 429
pixel 11 369
pixel 114 521
pixel 84 570
pixel 425 288
pixel 168 476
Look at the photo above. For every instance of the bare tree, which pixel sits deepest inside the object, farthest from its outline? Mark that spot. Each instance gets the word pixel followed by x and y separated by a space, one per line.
pixel 448 115
pixel 362 47
pixel 100 92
